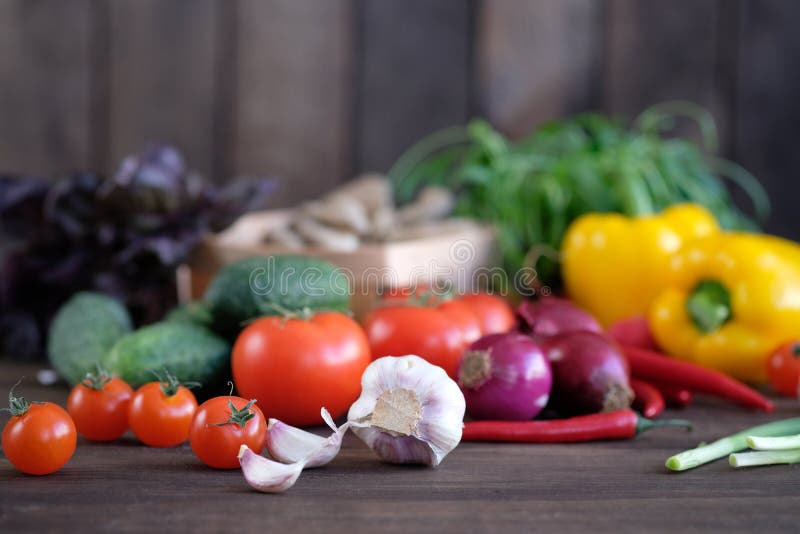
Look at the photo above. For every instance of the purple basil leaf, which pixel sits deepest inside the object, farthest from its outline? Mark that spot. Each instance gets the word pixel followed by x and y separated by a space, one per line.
pixel 71 204
pixel 21 205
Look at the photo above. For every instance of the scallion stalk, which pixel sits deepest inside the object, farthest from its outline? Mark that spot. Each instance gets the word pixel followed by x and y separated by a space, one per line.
pixel 781 443
pixel 748 459
pixel 731 444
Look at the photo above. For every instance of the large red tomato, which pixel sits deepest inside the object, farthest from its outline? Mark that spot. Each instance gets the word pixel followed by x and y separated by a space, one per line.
pixel 295 367
pixel 430 333
pixel 465 316
pixel 494 312
pixel 439 334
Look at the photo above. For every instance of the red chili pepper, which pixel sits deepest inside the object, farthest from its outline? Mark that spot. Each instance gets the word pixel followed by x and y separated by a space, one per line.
pixel 620 424
pixel 647 399
pixel 650 365
pixel 674 395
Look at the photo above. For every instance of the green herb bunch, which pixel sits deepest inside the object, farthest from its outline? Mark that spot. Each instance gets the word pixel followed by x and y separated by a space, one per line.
pixel 532 189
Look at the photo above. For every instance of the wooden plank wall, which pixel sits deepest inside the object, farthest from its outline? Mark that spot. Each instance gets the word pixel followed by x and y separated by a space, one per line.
pixel 316 91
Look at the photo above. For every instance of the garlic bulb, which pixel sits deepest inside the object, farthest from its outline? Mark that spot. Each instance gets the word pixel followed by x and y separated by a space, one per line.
pixel 409 412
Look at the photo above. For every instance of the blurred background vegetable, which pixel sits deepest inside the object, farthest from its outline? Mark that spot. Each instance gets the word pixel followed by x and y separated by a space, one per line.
pixel 122 235
pixel 532 189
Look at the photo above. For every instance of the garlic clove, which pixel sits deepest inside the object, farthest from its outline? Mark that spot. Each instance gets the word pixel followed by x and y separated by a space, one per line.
pixel 409 411
pixel 265 475
pixel 289 444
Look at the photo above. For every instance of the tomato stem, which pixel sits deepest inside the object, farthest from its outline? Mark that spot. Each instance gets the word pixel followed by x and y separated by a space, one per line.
pixel 17 406
pixel 304 313
pixel 170 383
pixel 239 417
pixel 96 381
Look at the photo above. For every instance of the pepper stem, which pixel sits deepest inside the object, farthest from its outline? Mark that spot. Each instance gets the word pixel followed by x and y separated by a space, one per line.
pixel 643 424
pixel 709 305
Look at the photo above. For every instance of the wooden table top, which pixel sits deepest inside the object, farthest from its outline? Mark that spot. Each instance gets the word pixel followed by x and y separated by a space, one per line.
pixel 598 487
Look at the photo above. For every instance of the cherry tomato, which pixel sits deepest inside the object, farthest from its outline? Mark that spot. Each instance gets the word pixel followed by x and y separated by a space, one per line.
pixel 161 412
pixel 99 407
pixel 223 424
pixel 431 333
pixel 39 438
pixel 494 312
pixel 783 368
pixel 295 367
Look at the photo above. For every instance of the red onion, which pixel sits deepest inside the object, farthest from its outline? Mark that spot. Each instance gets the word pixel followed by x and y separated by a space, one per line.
pixel 590 373
pixel 549 316
pixel 505 376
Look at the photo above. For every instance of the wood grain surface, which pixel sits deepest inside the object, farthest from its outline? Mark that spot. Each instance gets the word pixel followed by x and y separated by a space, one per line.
pixel 596 487
pixel 162 82
pixel 538 61
pixel 768 72
pixel 292 94
pixel 414 75
pixel 45 94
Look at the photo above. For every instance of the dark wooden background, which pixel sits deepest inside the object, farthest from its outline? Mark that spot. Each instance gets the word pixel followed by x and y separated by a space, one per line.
pixel 317 90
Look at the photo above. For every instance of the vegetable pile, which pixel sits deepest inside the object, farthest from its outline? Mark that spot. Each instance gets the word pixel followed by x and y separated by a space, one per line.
pixel 717 298
pixel 593 365
pixel 547 374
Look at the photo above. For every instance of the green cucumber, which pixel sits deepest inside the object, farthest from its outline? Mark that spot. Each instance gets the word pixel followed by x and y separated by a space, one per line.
pixel 197 313
pixel 83 331
pixel 188 351
pixel 274 285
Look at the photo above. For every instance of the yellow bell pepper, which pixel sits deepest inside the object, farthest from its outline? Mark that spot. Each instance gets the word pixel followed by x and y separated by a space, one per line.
pixel 614 266
pixel 732 299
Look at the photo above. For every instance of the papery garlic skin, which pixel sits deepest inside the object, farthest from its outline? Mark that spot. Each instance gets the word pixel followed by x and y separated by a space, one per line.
pixel 409 411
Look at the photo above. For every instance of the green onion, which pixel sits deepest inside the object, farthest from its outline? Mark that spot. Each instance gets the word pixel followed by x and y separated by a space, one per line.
pixel 747 459
pixel 730 444
pixel 773 444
